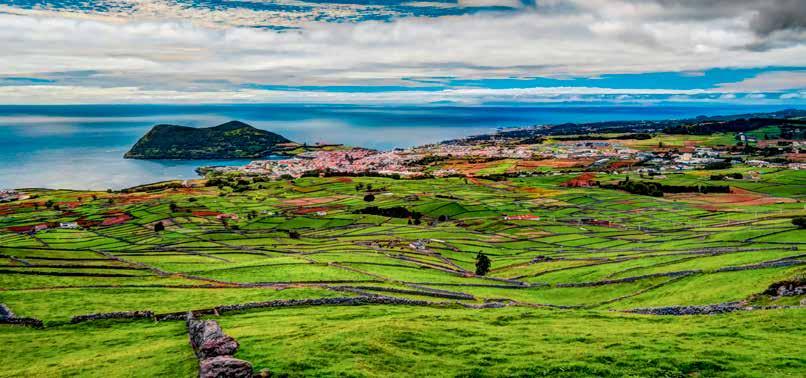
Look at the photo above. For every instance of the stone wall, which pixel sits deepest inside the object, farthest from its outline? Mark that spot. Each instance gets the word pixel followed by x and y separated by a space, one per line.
pixel 764 265
pixel 8 317
pixel 113 315
pixel 628 279
pixel 337 301
pixel 720 308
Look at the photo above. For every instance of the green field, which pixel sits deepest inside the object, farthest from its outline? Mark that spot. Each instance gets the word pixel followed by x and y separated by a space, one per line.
pixel 557 299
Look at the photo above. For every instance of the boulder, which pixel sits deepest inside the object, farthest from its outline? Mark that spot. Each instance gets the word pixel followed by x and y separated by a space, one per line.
pixel 208 340
pixel 224 367
pixel 218 346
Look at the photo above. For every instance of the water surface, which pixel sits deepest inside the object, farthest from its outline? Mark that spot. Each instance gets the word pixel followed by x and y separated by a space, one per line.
pixel 82 147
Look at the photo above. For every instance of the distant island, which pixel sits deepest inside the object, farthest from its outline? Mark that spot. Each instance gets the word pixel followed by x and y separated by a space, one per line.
pixel 231 140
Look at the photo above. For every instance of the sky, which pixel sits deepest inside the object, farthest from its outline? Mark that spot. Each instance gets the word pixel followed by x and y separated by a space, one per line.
pixel 465 52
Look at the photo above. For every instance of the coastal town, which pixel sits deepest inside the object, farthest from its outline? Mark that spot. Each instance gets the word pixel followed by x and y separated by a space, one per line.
pixel 658 155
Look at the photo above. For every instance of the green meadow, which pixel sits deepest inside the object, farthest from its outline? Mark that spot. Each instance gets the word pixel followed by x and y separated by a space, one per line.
pixel 556 301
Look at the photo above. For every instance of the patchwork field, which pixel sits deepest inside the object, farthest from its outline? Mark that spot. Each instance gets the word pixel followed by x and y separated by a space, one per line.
pixel 583 281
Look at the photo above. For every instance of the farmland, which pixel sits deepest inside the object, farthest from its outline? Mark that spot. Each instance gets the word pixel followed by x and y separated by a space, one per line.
pixel 566 294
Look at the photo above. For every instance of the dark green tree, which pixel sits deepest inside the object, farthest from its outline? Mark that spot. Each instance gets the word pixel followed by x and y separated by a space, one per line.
pixel 158 227
pixel 482 264
pixel 369 197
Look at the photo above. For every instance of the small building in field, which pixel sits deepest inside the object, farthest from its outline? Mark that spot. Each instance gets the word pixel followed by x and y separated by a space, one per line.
pixel 528 217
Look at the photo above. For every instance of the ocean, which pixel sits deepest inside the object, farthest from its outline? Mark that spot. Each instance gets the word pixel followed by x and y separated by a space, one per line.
pixel 82 146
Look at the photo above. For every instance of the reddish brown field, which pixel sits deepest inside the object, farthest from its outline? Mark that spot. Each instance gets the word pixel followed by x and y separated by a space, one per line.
pixel 737 197
pixel 207 213
pixel 301 202
pixel 130 199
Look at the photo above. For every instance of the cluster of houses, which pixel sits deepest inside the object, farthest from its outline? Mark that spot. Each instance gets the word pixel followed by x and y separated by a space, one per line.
pixel 349 161
pixel 9 195
pixel 34 228
pixel 599 154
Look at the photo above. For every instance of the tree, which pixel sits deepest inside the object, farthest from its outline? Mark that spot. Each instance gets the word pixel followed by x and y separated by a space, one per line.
pixel 293 234
pixel 482 264
pixel 159 227
pixel 49 204
pixel 443 218
pixel 359 187
pixel 799 221
pixel 173 207
pixel 369 197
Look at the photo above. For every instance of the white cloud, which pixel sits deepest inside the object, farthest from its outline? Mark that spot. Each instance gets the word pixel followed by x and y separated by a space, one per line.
pixel 153 55
pixel 57 94
pixel 769 82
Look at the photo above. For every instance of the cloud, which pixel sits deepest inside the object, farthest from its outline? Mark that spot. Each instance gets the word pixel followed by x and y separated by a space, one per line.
pixel 779 15
pixel 148 53
pixel 768 82
pixel 57 94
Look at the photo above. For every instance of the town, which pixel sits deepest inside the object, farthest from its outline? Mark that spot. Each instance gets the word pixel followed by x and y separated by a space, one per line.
pixel 660 154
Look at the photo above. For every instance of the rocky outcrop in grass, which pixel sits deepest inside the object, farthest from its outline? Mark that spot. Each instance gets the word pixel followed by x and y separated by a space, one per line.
pixel 787 288
pixel 215 350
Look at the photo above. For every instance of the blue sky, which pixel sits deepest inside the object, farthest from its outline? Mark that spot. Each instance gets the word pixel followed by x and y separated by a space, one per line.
pixel 469 52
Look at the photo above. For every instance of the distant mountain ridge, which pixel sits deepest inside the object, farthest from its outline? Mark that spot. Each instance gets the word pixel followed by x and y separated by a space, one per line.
pixel 697 125
pixel 231 140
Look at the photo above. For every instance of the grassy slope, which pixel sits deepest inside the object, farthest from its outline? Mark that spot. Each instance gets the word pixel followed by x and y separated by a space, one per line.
pixel 651 235
pixel 100 349
pixel 381 341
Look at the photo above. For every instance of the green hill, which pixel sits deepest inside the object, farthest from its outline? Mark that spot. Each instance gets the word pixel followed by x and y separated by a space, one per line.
pixel 230 140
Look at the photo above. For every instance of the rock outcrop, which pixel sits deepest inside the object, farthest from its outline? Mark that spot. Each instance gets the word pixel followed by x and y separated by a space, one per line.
pixel 224 367
pixel 788 288
pixel 215 350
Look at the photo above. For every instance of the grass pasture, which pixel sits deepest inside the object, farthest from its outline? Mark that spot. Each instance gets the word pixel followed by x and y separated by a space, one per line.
pixel 556 303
